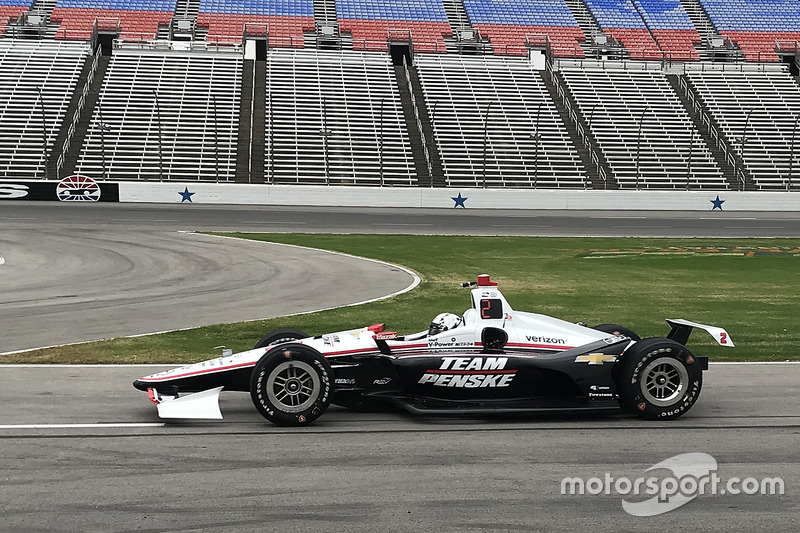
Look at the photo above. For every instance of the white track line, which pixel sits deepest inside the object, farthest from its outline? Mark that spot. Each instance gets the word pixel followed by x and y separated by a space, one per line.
pixel 755 363
pixel 160 365
pixel 84 426
pixel 61 365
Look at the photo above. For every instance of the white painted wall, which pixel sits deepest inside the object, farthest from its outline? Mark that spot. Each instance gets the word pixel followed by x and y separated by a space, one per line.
pixel 539 199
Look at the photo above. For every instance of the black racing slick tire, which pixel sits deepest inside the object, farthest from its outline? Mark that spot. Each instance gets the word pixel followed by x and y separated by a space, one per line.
pixel 658 379
pixel 291 385
pixel 280 336
pixel 616 329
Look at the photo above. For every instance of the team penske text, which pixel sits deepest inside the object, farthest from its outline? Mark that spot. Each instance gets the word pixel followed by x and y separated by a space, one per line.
pixel 470 372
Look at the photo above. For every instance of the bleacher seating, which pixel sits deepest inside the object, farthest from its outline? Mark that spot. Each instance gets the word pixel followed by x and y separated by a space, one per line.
pixel 620 19
pixel 755 25
pixel 370 21
pixel 613 104
pixel 671 27
pixel 506 24
pixel 26 67
pixel 772 99
pixel 165 103
pixel 138 19
pixel 458 92
pixel 323 120
pixel 286 20
pixel 10 10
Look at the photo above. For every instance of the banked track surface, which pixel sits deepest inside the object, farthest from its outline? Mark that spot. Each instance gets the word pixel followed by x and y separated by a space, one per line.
pixel 65 285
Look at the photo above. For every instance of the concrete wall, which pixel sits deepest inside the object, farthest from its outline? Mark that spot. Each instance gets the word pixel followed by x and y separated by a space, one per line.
pixel 229 193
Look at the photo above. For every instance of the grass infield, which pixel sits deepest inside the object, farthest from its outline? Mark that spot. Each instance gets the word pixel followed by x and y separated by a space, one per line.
pixel 751 287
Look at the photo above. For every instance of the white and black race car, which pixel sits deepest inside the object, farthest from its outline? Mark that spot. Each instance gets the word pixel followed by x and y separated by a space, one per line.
pixel 492 359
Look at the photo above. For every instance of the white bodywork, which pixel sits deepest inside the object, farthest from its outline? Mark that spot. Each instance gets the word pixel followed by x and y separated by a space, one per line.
pixel 204 405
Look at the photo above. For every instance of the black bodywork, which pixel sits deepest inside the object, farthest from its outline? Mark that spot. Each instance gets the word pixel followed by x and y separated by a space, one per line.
pixel 477 382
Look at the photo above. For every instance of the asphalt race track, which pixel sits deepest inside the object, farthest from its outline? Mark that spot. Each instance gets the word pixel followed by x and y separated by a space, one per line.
pixel 374 471
pixel 200 217
pixel 65 284
pixel 81 450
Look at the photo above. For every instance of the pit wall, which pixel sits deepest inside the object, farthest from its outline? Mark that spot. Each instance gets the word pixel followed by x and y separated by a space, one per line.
pixel 211 193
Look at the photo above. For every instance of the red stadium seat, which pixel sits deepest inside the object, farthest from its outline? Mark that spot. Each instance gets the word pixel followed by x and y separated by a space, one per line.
pixel 759 46
pixel 511 39
pixel 78 24
pixel 678 45
pixel 10 13
pixel 427 37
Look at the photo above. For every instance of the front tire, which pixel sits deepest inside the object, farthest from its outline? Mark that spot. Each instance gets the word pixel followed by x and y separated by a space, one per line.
pixel 280 336
pixel 658 379
pixel 291 385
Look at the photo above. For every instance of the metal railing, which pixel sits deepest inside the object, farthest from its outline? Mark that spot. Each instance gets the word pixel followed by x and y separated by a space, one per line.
pixel 728 153
pixel 419 121
pixel 584 135
pixel 76 117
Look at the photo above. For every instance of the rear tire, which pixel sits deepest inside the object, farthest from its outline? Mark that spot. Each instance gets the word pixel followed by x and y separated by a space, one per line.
pixel 658 379
pixel 280 336
pixel 291 385
pixel 616 329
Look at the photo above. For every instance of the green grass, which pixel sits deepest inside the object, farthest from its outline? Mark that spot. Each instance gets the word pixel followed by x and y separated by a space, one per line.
pixel 750 287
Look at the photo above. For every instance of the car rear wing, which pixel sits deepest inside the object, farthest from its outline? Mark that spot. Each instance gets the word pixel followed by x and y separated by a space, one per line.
pixel 681 329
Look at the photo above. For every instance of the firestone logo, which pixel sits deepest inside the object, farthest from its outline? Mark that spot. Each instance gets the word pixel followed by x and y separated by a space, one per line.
pixel 692 475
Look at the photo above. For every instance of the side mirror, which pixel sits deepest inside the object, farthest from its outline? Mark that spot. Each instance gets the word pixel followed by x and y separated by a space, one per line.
pixel 493 340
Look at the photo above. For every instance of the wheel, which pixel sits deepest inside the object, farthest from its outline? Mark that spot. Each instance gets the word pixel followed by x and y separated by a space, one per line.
pixel 291 385
pixel 658 379
pixel 616 329
pixel 280 336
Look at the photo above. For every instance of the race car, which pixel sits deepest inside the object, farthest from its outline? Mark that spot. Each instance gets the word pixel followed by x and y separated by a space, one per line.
pixel 490 360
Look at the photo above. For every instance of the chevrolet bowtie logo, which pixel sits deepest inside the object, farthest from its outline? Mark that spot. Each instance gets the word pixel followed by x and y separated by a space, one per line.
pixel 595 358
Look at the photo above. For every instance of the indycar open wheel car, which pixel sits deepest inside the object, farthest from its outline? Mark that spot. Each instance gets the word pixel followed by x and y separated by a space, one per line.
pixel 491 359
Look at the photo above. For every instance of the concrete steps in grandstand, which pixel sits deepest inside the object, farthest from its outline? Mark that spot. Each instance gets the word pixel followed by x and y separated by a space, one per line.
pixel 706 29
pixel 63 132
pixel 426 178
pixel 258 144
pixel 184 10
pixel 592 170
pixel 187 8
pixel 587 24
pixel 719 156
pixel 73 153
pixel 456 14
pixel 701 21
pixel 243 145
pixel 163 33
pixel 339 41
pixel 324 12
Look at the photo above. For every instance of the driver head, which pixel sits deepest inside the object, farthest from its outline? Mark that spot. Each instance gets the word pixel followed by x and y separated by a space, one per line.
pixel 443 322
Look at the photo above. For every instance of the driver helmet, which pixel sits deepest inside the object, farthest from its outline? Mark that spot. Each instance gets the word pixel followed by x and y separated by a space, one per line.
pixel 443 322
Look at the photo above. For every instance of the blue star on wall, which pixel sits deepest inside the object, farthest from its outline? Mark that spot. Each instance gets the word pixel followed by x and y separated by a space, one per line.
pixel 717 203
pixel 186 195
pixel 459 200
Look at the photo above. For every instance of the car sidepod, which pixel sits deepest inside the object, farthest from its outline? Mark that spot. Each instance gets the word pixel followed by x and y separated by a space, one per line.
pixel 510 380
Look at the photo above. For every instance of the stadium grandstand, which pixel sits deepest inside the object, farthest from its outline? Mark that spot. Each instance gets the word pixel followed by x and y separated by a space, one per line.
pixel 610 94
